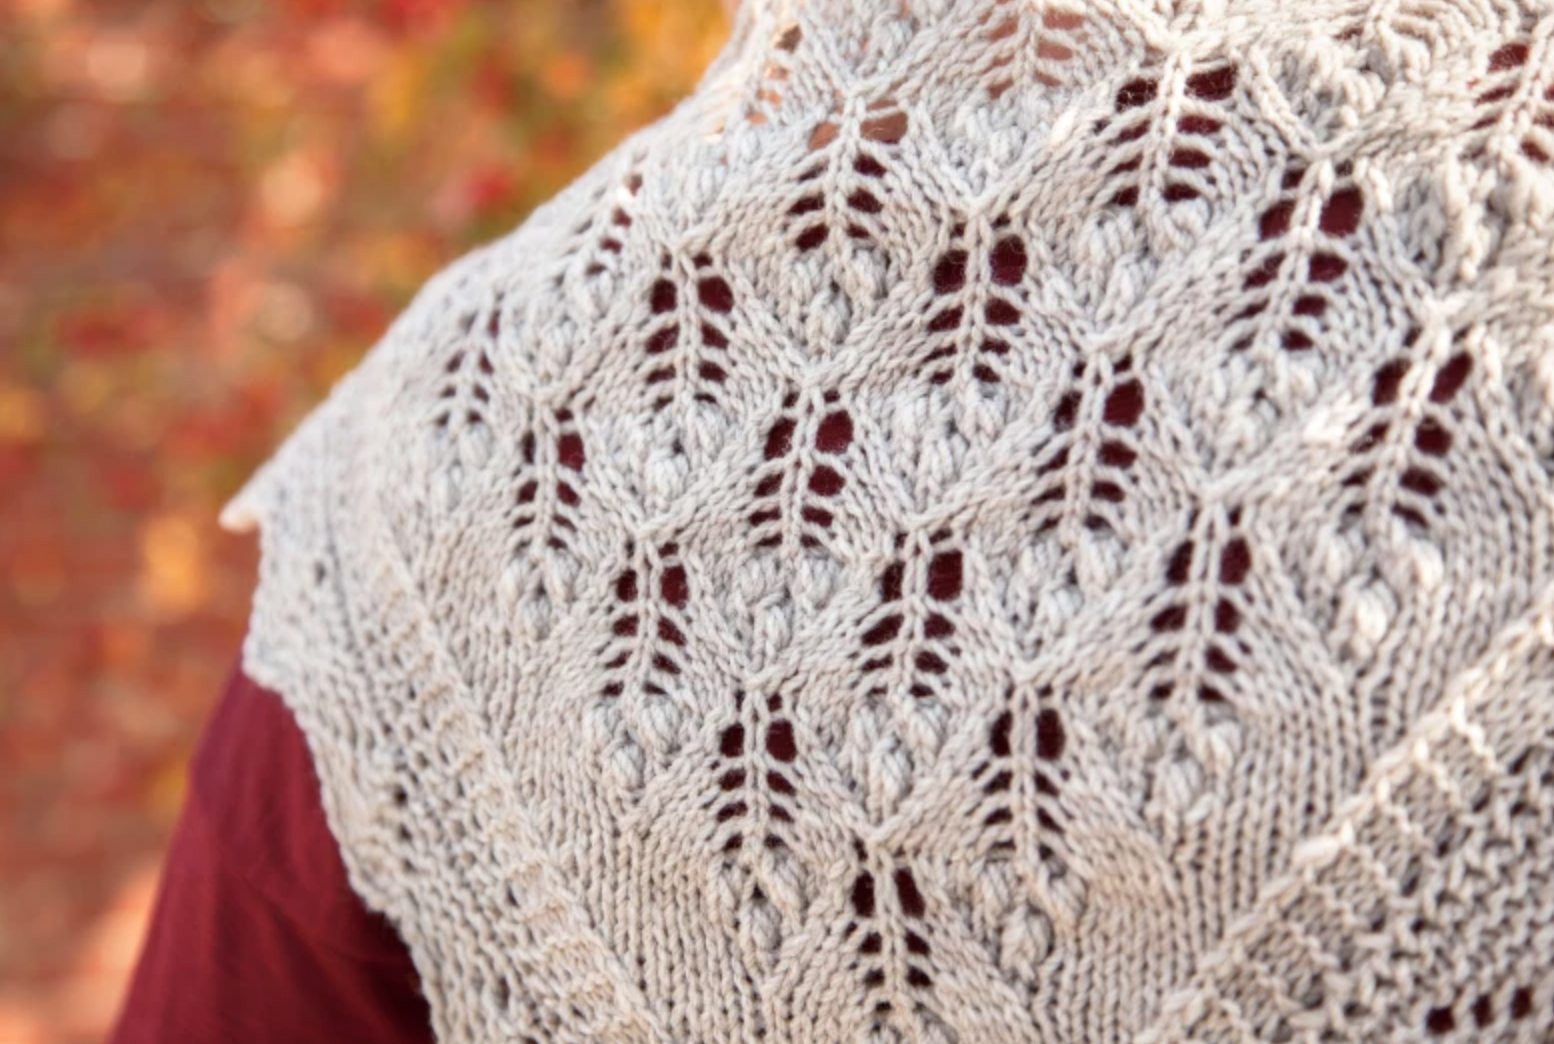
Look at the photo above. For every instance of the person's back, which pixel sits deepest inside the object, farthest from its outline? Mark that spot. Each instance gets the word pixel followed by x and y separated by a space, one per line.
pixel 988 523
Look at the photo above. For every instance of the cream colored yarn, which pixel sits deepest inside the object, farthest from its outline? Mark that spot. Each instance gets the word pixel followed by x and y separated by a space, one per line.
pixel 992 522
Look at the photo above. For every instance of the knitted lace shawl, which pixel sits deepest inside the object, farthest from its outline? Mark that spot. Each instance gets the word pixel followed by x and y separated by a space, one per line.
pixel 991 522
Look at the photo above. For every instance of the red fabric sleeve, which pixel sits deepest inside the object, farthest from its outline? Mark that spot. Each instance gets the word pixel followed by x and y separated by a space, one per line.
pixel 255 934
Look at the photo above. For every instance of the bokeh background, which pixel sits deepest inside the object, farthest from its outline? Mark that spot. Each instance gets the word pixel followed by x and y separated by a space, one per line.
pixel 209 209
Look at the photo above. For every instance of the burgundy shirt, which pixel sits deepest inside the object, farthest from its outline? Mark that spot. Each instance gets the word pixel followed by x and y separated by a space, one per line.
pixel 255 935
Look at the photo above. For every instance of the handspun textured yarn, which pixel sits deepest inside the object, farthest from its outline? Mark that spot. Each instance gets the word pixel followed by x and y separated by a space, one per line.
pixel 991 522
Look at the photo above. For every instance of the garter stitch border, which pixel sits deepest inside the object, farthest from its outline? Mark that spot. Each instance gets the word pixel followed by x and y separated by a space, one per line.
pixel 994 521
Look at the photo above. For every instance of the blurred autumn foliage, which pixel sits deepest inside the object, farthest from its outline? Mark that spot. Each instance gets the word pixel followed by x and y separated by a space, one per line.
pixel 209 209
